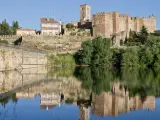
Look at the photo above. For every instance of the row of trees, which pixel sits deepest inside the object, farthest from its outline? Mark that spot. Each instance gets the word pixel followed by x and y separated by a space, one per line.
pixel 137 38
pixel 99 52
pixel 6 29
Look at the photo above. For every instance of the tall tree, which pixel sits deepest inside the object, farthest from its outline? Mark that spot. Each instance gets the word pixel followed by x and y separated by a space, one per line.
pixel 15 26
pixel 5 28
pixel 143 36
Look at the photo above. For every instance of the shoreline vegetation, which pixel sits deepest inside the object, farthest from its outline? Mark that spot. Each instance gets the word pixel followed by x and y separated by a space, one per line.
pixel 139 50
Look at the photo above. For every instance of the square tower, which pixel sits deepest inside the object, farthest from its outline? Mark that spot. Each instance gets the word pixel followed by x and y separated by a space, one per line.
pixel 85 13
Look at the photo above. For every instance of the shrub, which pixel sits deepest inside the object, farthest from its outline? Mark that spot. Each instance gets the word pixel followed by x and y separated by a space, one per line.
pixel 69 26
pixel 95 52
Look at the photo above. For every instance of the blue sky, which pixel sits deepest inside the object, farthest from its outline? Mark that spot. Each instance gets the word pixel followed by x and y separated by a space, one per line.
pixel 29 12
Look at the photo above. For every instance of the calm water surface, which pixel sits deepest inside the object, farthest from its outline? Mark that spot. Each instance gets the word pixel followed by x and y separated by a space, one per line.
pixel 80 94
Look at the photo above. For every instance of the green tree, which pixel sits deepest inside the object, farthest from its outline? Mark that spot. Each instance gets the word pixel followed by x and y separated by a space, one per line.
pixel 15 26
pixel 95 52
pixel 5 28
pixel 102 53
pixel 143 36
pixel 69 26
pixel 130 58
pixel 146 57
pixel 84 56
pixel 117 57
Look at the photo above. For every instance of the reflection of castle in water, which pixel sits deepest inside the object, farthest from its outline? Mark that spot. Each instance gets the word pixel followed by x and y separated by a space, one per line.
pixel 115 102
pixel 105 104
pixel 84 113
pixel 118 101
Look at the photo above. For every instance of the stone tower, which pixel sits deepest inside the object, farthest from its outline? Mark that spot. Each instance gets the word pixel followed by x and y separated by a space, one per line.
pixel 85 13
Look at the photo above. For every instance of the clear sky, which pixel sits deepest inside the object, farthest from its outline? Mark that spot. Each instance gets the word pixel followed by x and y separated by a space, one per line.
pixel 29 12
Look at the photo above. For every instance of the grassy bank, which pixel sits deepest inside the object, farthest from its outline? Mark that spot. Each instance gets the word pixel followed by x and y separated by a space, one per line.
pixel 64 60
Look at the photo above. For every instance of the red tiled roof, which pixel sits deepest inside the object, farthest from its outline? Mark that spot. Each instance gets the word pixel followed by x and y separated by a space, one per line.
pixel 48 20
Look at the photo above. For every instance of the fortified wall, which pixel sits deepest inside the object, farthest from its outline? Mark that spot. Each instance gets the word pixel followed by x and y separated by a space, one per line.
pixel 59 43
pixel 112 23
pixel 17 58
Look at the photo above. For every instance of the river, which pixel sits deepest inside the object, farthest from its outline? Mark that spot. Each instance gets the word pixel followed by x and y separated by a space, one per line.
pixel 81 93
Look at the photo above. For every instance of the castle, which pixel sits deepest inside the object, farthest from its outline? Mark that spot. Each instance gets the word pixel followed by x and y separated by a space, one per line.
pixel 106 24
pixel 113 23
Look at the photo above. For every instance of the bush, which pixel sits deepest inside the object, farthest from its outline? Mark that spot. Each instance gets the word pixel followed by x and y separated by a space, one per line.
pixel 69 26
pixel 95 52
pixel 98 52
pixel 130 58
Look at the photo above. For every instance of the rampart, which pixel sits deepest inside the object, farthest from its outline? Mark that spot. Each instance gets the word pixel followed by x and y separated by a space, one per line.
pixel 12 58
pixel 54 43
pixel 108 24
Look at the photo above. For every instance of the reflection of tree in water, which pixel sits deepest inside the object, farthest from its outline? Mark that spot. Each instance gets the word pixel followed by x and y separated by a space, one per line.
pixel 4 102
pixel 143 82
pixel 95 79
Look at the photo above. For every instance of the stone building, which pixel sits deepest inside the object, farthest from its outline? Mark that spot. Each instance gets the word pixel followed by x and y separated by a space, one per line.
pixel 23 32
pixel 85 13
pixel 114 23
pixel 85 17
pixel 49 26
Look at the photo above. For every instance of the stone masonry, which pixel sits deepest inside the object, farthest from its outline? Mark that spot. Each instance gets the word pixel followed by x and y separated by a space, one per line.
pixel 113 23
pixel 85 13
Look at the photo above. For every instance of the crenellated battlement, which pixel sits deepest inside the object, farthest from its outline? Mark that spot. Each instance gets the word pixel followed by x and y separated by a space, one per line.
pixel 125 15
pixel 103 13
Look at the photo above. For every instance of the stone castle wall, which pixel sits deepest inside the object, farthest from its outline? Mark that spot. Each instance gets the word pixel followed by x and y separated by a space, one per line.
pixel 106 24
pixel 15 58
pixel 62 43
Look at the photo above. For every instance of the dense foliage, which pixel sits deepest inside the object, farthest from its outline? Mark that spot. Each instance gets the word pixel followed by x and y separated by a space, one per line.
pixel 137 38
pixel 95 52
pixel 144 53
pixel 6 29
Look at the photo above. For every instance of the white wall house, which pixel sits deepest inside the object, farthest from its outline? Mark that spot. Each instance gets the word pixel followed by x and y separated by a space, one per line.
pixel 23 32
pixel 49 26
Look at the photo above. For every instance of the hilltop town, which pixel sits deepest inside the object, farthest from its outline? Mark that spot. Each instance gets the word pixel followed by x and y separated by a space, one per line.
pixel 122 31
pixel 105 24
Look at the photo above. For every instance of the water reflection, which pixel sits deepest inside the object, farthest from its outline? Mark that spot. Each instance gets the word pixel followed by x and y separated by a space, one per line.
pixel 95 91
